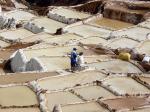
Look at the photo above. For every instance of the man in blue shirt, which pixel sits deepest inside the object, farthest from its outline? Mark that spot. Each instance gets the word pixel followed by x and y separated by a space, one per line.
pixel 73 59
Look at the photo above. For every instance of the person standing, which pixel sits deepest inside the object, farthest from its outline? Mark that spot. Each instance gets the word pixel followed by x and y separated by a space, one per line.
pixel 81 62
pixel 81 59
pixel 73 59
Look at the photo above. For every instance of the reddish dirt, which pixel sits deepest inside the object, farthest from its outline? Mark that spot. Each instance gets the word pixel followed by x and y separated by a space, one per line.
pixel 5 54
pixel 17 46
pixel 127 103
pixel 23 77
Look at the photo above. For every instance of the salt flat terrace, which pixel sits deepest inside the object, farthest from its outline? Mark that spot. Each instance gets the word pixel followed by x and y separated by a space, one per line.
pixel 66 81
pixel 4 44
pixel 20 96
pixel 128 103
pixel 65 97
pixel 94 40
pixel 54 51
pixel 81 107
pixel 21 78
pixel 50 25
pixel 145 24
pixel 48 40
pixel 87 31
pixel 120 86
pixel 122 42
pixel 136 33
pixel 53 64
pixel 37 37
pixel 109 23
pixel 58 63
pixel 20 15
pixel 69 13
pixel 15 34
pixel 67 38
pixel 116 66
pixel 92 92
pixel 28 109
pixel 143 48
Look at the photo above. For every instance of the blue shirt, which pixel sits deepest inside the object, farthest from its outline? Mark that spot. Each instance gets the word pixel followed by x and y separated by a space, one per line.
pixel 73 57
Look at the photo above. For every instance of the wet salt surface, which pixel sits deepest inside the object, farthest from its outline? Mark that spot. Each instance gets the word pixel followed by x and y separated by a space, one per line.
pixel 53 64
pixel 136 33
pixel 110 23
pixel 17 96
pixel 144 47
pixel 120 85
pixel 94 40
pixel 85 107
pixel 61 98
pixel 50 51
pixel 122 43
pixel 57 63
pixel 87 31
pixel 64 39
pixel 93 92
pixel 116 66
pixel 71 80
pixel 17 78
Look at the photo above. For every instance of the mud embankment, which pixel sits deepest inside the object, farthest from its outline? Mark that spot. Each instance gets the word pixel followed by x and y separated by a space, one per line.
pixel 123 16
pixel 92 7
pixel 45 3
pixel 123 11
pixel 8 3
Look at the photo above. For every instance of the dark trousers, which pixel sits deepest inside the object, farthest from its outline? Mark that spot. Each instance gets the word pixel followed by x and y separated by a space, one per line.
pixel 73 66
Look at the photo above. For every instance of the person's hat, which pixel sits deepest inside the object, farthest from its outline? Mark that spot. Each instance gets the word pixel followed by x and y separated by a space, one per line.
pixel 75 49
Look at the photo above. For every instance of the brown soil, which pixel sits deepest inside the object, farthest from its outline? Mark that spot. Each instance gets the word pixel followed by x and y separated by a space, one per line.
pixel 23 77
pixel 2 71
pixel 31 109
pixel 5 54
pixel 126 103
pixel 126 15
pixel 17 46
pixel 92 7
pixel 7 3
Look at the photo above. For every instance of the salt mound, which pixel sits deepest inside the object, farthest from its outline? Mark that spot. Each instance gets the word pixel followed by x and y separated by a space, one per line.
pixel 33 28
pixel 35 65
pixel 19 61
